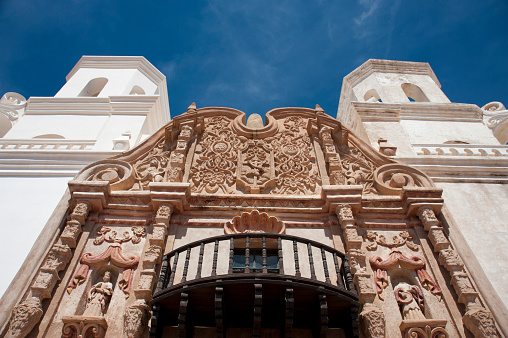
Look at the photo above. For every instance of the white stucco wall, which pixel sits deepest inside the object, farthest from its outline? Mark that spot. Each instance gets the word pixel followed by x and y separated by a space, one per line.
pixel 480 212
pixel 436 132
pixel 27 204
pixel 72 127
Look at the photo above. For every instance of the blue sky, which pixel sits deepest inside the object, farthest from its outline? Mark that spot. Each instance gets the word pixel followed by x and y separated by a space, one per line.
pixel 258 55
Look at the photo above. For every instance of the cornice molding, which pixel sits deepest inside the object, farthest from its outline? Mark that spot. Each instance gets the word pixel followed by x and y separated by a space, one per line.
pixel 379 111
pixel 112 105
pixel 389 66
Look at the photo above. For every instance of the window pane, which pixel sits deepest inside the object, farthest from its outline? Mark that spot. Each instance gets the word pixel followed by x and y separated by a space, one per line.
pixel 238 261
pixel 272 262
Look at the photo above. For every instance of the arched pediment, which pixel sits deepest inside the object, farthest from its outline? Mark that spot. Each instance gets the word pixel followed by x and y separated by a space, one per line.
pixel 296 152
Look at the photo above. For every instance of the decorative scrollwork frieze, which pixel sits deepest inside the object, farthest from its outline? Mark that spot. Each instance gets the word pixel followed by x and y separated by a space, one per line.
pixel 403 238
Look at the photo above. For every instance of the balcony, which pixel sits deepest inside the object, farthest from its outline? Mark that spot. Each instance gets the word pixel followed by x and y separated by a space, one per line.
pixel 255 285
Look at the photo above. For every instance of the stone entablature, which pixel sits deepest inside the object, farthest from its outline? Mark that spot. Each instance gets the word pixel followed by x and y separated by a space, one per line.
pixel 304 174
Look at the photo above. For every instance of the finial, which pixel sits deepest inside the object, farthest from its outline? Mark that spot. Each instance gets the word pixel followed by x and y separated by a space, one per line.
pixel 319 109
pixel 192 107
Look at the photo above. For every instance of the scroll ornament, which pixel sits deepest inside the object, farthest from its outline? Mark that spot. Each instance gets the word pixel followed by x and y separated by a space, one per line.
pixel 404 238
pixel 380 267
pixel 108 235
pixel 114 254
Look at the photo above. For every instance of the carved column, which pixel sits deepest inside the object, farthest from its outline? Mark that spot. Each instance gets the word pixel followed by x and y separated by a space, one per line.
pixel 477 319
pixel 136 316
pixel 29 312
pixel 178 156
pixel 331 156
pixel 372 320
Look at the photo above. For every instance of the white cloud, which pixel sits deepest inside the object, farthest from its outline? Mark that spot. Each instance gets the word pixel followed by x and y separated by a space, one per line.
pixel 370 9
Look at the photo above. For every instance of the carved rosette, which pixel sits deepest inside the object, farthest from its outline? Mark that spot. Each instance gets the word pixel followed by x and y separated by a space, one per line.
pixel 255 222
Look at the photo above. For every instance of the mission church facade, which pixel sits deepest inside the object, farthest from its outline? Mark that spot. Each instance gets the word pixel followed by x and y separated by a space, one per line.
pixel 387 221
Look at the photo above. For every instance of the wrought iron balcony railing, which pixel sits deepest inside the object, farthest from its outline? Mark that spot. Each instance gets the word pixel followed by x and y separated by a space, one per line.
pixel 254 255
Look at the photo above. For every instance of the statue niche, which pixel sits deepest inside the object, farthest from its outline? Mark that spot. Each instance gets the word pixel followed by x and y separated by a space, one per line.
pixel 98 297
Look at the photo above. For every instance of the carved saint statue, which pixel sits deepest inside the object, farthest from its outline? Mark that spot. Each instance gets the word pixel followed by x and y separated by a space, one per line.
pixel 410 300
pixel 98 297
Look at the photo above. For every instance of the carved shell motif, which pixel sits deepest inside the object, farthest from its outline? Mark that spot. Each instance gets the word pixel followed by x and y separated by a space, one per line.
pixel 254 222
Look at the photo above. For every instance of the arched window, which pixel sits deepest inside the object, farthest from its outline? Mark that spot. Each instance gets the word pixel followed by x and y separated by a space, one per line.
pixel 372 96
pixel 137 90
pixel 51 136
pixel 94 87
pixel 414 93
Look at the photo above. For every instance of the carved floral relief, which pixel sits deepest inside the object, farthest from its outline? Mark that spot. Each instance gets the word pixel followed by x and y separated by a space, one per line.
pixel 216 157
pixel 152 168
pixel 295 166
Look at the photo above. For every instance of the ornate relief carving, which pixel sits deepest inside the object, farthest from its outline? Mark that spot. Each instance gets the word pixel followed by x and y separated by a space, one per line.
pixel 295 168
pixel 254 222
pixel 403 238
pixel 58 257
pixel 152 168
pixel 357 261
pixel 345 214
pixel 410 301
pixel 215 159
pixel 256 166
pixel 114 254
pixel 136 319
pixel 438 239
pixel 390 178
pixel 358 169
pixel 24 317
pixel 108 235
pixel 426 331
pixel 119 174
pixel 428 218
pixel 87 327
pixel 479 321
pixel 372 321
pixel 380 266
pixel 153 254
pixel 450 260
pixel 71 233
pixel 165 210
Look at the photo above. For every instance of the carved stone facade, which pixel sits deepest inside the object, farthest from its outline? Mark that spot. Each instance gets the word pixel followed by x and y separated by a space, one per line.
pixel 211 219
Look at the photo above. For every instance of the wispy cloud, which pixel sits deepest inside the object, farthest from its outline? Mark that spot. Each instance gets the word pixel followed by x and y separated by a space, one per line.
pixel 370 8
